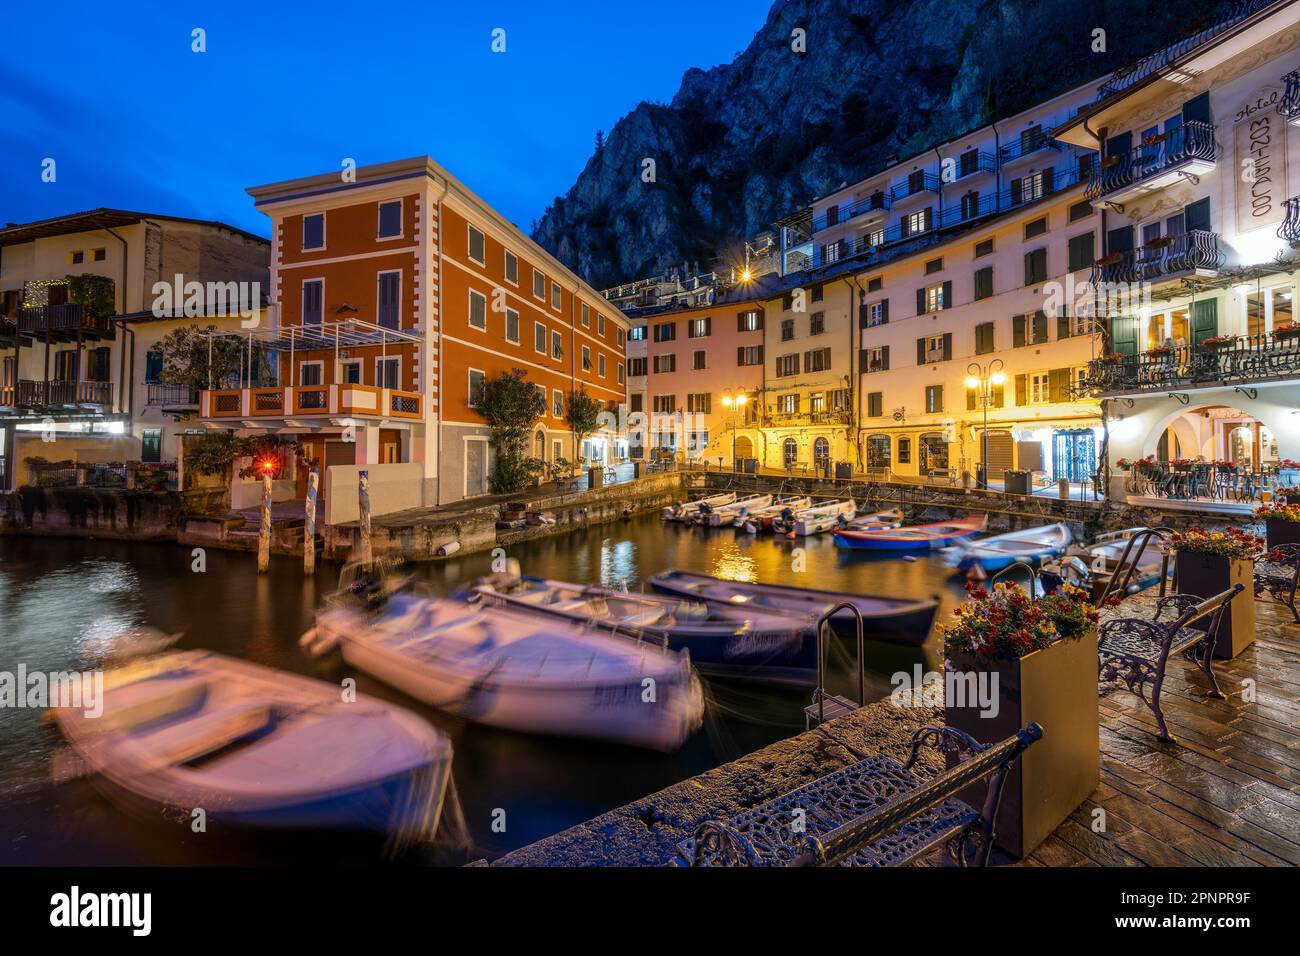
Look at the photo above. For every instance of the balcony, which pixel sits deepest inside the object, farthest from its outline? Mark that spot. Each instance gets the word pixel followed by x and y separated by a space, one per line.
pixel 63 323
pixel 775 418
pixel 1185 152
pixel 172 396
pixel 1029 143
pixel 916 185
pixel 29 393
pixel 1195 251
pixel 1289 230
pixel 1240 359
pixel 1290 105
pixel 871 207
pixel 978 162
pixel 310 401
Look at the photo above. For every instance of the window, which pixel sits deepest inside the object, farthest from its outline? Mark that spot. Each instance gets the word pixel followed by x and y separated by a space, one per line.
pixel 969 162
pixel 557 403
pixel 1082 251
pixel 600 326
pixel 539 286
pixel 905 451
pixel 983 248
pixel 933 266
pixel 390 219
pixel 557 345
pixel 1036 228
pixel 1029 189
pixel 1040 385
pixel 76 258
pixel 556 300
pixel 539 337
pixel 817 323
pixel 916 222
pixel 665 404
pixel 1080 210
pixel 586 316
pixel 477 310
pixel 388 372
pixel 637 333
pixel 970 204
pixel 1030 329
pixel 313 306
pixel 310 373
pixel 512 268
pixel 876 284
pixel 831 252
pixel 750 321
pixel 787 330
pixel 390 299
pixel 699 360
pixel 984 338
pixel 618 334
pixel 476 382
pixel 619 366
pixel 749 355
pixel 636 366
pixel 788 404
pixel 934 348
pixel 877 313
pixel 697 328
pixel 875 404
pixel 666 332
pixel 586 358
pixel 933 298
pixel 1035 267
pixel 512 326
pixel 600 365
pixel 665 363
pixel 787 365
pixel 934 399
pixel 638 402
pixel 350 372
pixel 699 403
pixel 313 232
pixel 875 359
pixel 983 283
pixel 817 360
pixel 99 255
pixel 817 293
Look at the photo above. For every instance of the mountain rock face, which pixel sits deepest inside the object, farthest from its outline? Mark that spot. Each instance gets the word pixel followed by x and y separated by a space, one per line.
pixel 752 141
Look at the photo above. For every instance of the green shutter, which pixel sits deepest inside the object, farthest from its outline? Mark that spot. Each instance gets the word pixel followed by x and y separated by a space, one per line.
pixel 1040 327
pixel 947 346
pixel 1022 389
pixel 920 351
pixel 920 302
pixel 1205 320
pixel 970 399
pixel 1063 323
pixel 1058 384
pixel 1124 335
pixel 1017 331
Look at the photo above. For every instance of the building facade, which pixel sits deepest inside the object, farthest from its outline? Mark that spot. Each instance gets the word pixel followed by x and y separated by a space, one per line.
pixel 397 293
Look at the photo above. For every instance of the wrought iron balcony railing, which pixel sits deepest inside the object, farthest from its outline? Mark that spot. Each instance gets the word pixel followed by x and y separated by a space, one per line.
pixel 173 396
pixel 1189 144
pixel 778 419
pixel 1197 249
pixel 1027 144
pixel 1290 104
pixel 1289 229
pixel 1239 359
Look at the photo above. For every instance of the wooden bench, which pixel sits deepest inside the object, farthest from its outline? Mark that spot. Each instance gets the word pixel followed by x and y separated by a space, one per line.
pixel 1136 650
pixel 876 812
pixel 1278 574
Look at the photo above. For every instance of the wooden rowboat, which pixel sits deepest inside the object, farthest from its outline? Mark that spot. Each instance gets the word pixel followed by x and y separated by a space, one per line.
pixel 816 519
pixel 995 553
pixel 757 521
pixel 921 537
pixel 682 510
pixel 729 514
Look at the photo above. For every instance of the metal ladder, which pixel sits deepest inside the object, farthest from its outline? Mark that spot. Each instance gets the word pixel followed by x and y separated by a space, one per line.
pixel 816 712
pixel 1124 570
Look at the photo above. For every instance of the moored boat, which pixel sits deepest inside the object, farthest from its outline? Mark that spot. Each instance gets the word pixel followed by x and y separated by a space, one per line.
pixel 995 553
pixel 524 672
pixel 914 538
pixel 682 510
pixel 1093 565
pixel 816 519
pixel 877 521
pixel 900 620
pixel 728 514
pixel 257 747
pixel 761 520
pixel 722 640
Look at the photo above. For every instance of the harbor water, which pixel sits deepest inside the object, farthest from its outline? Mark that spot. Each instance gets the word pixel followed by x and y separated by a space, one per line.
pixel 64 602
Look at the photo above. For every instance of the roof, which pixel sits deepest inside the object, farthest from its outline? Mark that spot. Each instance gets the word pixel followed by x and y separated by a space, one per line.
pixel 102 218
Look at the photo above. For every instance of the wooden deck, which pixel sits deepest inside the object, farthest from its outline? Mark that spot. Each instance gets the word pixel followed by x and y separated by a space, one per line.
pixel 1227 794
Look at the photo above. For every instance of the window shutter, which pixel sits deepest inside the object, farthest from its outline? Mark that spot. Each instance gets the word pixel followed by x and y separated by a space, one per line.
pixel 970 399
pixel 1059 385
pixel 902 227
pixel 740 321
pixel 947 345
pixel 1197 215
pixel 1119 145
pixel 740 355
pixel 1120 240
pixel 1022 388
pixel 1040 327
pixel 708 325
pixel 1197 109
pixel 999 396
pixel 1015 191
pixel 1063 323
pixel 862 315
pixel 1205 320
pixel 863 359
pixel 1017 331
pixel 920 302
pixel 884 357
pixel 807 361
pixel 947 294
pixel 920 351
pixel 1047 180
pixel 884 310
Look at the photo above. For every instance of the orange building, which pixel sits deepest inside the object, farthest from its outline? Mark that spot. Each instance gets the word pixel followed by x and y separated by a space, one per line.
pixel 396 292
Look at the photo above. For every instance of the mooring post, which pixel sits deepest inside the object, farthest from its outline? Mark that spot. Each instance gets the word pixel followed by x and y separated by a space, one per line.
pixel 363 500
pixel 309 529
pixel 264 535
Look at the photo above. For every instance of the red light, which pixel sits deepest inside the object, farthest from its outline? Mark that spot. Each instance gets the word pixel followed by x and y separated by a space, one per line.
pixel 268 465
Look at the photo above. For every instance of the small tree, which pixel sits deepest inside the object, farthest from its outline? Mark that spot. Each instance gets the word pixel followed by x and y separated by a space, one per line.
pixel 512 405
pixel 192 361
pixel 583 416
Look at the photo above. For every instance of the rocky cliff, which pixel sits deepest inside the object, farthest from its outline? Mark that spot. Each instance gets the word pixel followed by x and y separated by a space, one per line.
pixel 746 143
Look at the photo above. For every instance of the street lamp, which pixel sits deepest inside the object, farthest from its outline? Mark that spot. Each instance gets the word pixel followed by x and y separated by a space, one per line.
pixel 982 379
pixel 735 404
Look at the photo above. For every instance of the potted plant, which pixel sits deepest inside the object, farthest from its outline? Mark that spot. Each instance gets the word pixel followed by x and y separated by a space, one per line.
pixel 1281 523
pixel 1124 464
pixel 1160 351
pixel 1218 341
pixel 1111 358
pixel 1028 660
pixel 1286 332
pixel 1159 242
pixel 1210 562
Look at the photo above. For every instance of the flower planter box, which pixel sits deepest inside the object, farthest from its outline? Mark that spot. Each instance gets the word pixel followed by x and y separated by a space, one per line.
pixel 1206 575
pixel 1057 689
pixel 1279 531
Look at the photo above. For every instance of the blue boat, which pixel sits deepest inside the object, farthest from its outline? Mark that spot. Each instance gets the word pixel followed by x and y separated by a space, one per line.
pixel 1029 545
pixel 921 537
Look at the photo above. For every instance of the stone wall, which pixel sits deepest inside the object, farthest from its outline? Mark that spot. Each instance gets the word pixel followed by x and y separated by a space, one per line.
pixel 92 512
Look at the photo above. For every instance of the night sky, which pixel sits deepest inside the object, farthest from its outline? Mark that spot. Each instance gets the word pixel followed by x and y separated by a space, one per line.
pixel 135 120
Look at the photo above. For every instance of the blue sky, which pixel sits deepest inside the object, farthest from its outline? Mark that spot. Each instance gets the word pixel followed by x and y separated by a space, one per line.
pixel 134 119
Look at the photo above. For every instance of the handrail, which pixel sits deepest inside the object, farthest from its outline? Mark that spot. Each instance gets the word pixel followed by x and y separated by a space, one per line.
pixel 1021 563
pixel 824 630
pixel 1145 535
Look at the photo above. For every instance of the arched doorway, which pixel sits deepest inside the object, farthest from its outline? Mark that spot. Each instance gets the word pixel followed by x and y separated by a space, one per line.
pixel 789 452
pixel 744 448
pixel 539 445
pixel 821 455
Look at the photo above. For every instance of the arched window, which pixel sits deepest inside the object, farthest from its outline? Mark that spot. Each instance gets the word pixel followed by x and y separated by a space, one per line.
pixel 539 445
pixel 789 451
pixel 821 454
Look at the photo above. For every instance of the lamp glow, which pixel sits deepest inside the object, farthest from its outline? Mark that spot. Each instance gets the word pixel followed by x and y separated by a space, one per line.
pixel 972 382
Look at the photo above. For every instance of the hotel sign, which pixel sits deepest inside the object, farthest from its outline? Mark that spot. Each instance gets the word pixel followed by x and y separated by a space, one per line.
pixel 1259 136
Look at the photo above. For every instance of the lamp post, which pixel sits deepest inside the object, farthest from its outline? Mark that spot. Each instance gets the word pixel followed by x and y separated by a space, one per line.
pixel 735 403
pixel 982 379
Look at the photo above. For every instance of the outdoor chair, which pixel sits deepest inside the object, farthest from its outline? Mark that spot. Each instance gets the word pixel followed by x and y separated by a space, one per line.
pixel 1278 574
